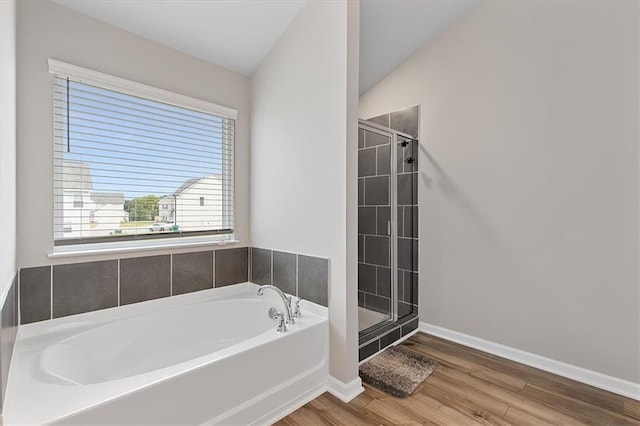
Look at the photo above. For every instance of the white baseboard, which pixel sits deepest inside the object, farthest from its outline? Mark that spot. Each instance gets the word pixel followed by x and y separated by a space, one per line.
pixel 345 391
pixel 590 377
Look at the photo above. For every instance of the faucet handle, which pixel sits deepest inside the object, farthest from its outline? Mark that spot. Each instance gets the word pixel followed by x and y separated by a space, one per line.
pixel 282 326
pixel 296 312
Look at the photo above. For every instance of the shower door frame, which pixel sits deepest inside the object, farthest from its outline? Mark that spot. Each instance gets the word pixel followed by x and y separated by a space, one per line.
pixel 393 205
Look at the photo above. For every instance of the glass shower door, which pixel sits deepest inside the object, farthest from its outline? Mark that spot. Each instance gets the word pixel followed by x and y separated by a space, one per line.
pixel 376 240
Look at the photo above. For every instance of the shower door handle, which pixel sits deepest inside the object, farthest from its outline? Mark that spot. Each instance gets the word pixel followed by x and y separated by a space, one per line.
pixel 388 227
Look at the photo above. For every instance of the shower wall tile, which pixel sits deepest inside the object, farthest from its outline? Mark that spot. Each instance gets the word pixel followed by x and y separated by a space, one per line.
pixel 361 299
pixel 410 221
pixel 368 350
pixel 383 281
pixel 408 254
pixel 313 279
pixel 409 327
pixel 383 160
pixel 382 120
pixel 284 271
pixel 407 189
pixel 360 138
pixel 231 266
pixel 361 191
pixel 367 162
pixel 84 287
pixel 260 266
pixel 35 294
pixel 390 337
pixel 383 218
pixel 191 272
pixel 372 139
pixel 377 303
pixel 366 278
pixel 376 250
pixel 145 278
pixel 367 220
pixel 406 120
pixel 376 190
pixel 360 248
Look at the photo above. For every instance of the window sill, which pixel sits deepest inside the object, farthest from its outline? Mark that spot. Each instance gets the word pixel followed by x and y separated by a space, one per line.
pixel 110 248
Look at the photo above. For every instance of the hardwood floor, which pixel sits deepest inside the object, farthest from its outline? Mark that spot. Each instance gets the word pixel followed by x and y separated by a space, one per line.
pixel 472 387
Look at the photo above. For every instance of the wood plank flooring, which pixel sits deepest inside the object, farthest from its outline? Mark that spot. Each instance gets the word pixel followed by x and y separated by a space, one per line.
pixel 471 387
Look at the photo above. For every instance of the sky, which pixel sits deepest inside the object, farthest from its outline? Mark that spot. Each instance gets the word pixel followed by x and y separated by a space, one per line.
pixel 132 145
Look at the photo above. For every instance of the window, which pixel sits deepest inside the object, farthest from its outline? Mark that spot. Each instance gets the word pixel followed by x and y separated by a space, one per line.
pixel 124 151
pixel 77 201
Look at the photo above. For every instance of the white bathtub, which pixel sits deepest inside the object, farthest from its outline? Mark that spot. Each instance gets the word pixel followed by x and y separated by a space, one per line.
pixel 202 358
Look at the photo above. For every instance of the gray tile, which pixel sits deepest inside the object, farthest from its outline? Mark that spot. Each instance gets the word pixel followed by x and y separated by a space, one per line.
pixel 383 160
pixel 192 272
pixel 400 221
pixel 8 331
pixel 384 216
pixel 406 120
pixel 407 254
pixel 145 278
pixel 407 189
pixel 360 138
pixel 35 294
pixel 410 221
pixel 410 151
pixel 404 309
pixel 366 278
pixel 409 327
pixel 260 266
pixel 313 279
pixel 367 162
pixel 390 337
pixel 382 120
pixel 376 250
pixel 284 271
pixel 232 266
pixel 375 139
pixel 383 280
pixel 84 287
pixel 410 284
pixel 400 284
pixel 367 220
pixel 360 248
pixel 361 191
pixel 368 350
pixel 377 303
pixel 361 299
pixel 376 191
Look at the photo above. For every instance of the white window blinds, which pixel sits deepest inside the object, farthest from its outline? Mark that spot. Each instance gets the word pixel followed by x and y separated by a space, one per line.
pixel 128 167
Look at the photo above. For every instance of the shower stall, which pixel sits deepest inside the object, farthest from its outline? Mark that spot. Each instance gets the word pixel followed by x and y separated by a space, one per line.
pixel 387 226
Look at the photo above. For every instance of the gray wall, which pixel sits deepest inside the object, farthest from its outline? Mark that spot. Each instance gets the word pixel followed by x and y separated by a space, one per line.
pixel 529 178
pixel 47 30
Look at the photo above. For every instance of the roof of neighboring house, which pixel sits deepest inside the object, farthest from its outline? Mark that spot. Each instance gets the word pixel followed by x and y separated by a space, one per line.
pixel 189 183
pixel 76 175
pixel 107 197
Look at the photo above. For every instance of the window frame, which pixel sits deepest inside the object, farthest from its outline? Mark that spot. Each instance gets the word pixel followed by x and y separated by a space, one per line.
pixel 118 244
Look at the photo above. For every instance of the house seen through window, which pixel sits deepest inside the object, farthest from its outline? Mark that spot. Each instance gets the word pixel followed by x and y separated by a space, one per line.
pixel 127 167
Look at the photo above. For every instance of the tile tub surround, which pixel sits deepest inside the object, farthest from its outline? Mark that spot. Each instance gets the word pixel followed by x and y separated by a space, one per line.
pixel 48 292
pixel 296 274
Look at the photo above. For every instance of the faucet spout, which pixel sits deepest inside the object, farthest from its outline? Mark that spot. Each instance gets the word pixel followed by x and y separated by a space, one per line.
pixel 285 302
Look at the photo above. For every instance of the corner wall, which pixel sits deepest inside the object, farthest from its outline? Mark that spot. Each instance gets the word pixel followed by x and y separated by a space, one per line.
pixel 304 141
pixel 529 178
pixel 48 30
pixel 8 287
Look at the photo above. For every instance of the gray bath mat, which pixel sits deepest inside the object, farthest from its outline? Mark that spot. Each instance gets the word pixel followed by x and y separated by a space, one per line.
pixel 397 371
